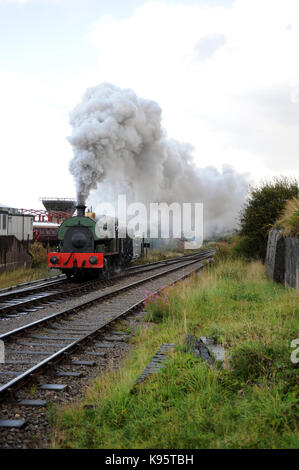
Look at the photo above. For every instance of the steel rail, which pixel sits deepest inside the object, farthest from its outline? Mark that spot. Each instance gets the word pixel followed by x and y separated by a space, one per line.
pixel 27 302
pixel 18 288
pixel 168 261
pixel 86 303
pixel 83 286
pixel 29 289
pixel 16 382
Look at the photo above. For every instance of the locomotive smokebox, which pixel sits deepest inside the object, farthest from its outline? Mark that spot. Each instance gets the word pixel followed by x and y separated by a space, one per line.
pixel 80 210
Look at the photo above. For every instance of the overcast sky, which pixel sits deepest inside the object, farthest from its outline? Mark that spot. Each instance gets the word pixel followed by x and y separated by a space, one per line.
pixel 226 74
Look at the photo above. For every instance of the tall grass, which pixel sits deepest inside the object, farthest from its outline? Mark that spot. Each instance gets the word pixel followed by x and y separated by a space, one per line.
pixel 289 220
pixel 252 403
pixel 39 254
pixel 39 268
pixel 18 276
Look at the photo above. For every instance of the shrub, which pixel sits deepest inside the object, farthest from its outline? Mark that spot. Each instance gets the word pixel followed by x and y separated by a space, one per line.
pixel 244 247
pixel 39 253
pixel 222 252
pixel 261 211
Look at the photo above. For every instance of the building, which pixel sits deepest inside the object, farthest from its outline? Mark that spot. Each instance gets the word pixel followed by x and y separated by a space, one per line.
pixel 16 231
pixel 46 221
pixel 13 222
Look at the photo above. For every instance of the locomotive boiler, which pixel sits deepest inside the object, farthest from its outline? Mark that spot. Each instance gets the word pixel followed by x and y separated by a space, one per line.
pixel 83 254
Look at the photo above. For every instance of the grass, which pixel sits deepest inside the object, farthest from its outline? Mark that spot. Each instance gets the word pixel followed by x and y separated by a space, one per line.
pixel 250 404
pixel 11 278
pixel 38 270
pixel 289 219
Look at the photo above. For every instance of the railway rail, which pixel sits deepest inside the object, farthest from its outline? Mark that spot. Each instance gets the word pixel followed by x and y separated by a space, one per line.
pixel 32 298
pixel 54 356
pixel 33 347
pixel 17 287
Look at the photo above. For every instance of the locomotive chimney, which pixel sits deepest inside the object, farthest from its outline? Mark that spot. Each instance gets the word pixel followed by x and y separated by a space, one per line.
pixel 80 210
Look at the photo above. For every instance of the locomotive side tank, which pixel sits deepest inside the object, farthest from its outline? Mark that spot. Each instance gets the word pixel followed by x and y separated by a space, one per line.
pixel 81 253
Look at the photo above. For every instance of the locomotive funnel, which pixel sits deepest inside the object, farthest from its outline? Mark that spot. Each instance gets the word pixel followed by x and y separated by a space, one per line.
pixel 80 210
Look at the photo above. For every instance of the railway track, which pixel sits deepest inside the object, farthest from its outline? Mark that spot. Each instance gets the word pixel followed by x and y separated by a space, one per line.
pixel 60 348
pixel 32 298
pixel 18 287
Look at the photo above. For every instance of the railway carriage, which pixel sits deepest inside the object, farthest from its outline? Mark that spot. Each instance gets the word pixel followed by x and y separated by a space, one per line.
pixel 81 253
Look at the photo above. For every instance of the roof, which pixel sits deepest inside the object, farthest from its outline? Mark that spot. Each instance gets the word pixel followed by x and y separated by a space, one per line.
pixel 45 224
pixel 59 204
pixel 5 208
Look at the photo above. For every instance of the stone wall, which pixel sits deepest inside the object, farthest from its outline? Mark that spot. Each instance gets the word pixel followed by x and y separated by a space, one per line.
pixel 13 254
pixel 282 259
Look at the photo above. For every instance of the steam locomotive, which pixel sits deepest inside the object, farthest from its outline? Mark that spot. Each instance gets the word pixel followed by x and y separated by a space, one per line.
pixel 82 254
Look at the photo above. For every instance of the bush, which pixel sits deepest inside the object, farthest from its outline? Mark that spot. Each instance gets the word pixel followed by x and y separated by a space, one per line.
pixel 39 253
pixel 244 247
pixel 222 252
pixel 259 214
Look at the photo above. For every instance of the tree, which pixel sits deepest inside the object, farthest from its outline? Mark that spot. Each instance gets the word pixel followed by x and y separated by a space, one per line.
pixel 264 205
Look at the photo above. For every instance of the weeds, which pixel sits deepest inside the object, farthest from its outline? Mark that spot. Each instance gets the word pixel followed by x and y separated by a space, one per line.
pixel 289 219
pixel 39 253
pixel 252 404
pixel 38 270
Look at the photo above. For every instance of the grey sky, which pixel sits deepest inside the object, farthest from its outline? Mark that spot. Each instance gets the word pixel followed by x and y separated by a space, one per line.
pixel 226 78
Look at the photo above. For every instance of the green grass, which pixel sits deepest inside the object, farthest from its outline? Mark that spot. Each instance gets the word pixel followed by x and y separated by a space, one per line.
pixel 250 404
pixel 18 276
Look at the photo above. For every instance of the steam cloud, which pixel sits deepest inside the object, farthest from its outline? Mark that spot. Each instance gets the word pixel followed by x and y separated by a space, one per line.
pixel 120 148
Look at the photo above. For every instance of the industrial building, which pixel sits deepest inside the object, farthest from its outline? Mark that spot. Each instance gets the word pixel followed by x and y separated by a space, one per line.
pixel 12 222
pixel 46 221
pixel 19 227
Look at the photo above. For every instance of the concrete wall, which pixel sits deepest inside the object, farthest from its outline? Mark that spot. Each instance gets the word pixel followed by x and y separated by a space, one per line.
pixel 292 262
pixel 282 259
pixel 13 254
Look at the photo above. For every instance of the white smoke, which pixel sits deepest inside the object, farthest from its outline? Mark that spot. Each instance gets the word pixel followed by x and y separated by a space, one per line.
pixel 120 148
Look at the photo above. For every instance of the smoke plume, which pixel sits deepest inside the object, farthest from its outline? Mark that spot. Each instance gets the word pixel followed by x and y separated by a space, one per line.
pixel 120 148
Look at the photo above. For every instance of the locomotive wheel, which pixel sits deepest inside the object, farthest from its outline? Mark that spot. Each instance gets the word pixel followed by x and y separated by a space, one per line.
pixel 68 272
pixel 106 271
pixel 121 260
